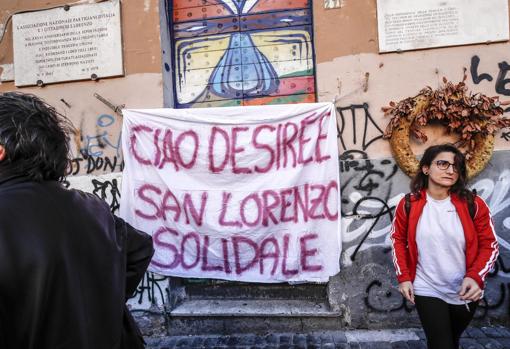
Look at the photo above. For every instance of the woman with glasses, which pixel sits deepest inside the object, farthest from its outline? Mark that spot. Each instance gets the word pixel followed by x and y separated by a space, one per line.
pixel 441 251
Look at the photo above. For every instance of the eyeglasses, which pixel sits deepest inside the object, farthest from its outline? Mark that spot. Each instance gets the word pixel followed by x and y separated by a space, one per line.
pixel 445 165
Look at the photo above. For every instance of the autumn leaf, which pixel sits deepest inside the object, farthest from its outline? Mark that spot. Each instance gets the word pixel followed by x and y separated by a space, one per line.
pixel 453 105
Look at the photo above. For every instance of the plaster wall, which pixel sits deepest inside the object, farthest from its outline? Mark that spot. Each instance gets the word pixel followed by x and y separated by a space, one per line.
pixel 351 72
pixel 360 81
pixel 96 145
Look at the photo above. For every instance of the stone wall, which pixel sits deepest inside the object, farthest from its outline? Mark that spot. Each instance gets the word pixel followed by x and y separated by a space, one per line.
pixel 365 291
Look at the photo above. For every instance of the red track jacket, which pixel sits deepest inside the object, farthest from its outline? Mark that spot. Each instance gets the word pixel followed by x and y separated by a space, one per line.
pixel 481 243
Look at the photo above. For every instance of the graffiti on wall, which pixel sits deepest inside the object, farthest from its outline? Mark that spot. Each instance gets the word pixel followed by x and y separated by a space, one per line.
pixel 366 201
pixel 242 52
pixel 93 165
pixel 501 84
pixel 362 133
pixel 371 190
pixel 152 289
pixel 95 145
pixel 357 129
pixel 150 292
pixel 383 299
pixel 99 152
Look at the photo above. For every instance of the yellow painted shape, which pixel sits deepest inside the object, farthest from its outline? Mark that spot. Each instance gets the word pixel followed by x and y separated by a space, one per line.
pixel 206 57
pixel 286 58
pixel 199 65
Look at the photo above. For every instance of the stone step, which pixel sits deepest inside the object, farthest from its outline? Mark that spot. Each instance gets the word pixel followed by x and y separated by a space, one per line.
pixel 249 307
pixel 256 291
pixel 216 316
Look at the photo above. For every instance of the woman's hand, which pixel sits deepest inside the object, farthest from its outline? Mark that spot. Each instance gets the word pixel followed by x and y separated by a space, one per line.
pixel 407 290
pixel 470 290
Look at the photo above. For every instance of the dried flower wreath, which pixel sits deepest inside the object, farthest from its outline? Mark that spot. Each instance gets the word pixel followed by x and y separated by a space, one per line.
pixel 474 117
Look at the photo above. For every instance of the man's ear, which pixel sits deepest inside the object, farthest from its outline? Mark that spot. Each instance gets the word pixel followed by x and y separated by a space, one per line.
pixel 2 152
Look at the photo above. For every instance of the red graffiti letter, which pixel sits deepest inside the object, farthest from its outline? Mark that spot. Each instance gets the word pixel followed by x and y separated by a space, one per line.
pixel 287 143
pixel 329 216
pixel 165 245
pixel 316 202
pixel 286 271
pixel 142 194
pixel 308 253
pixel 273 253
pixel 258 208
pixel 226 262
pixel 302 140
pixel 237 240
pixel 193 236
pixel 318 157
pixel 235 150
pixel 205 253
pixel 133 138
pixel 212 140
pixel 268 207
pixel 189 207
pixel 224 207
pixel 172 206
pixel 266 147
pixel 168 151
pixel 193 151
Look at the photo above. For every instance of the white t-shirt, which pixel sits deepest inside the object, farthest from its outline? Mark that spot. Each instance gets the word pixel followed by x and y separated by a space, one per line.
pixel 441 252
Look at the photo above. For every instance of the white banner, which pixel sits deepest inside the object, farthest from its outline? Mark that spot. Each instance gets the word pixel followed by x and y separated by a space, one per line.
pixel 241 193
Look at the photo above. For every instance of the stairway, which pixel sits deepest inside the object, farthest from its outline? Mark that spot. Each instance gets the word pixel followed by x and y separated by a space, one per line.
pixel 224 307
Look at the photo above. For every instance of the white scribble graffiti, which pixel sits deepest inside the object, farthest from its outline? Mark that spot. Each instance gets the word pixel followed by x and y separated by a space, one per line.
pixel 356 225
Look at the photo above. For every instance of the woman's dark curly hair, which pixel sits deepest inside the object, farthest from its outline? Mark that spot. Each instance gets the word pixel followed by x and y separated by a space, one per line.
pixel 35 137
pixel 421 181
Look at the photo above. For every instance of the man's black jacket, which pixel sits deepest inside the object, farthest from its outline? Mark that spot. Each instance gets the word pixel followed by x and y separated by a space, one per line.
pixel 67 266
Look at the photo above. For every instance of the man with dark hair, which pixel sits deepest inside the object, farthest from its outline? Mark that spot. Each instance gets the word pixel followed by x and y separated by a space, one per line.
pixel 67 264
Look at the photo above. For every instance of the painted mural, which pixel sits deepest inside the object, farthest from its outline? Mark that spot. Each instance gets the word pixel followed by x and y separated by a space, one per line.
pixel 242 52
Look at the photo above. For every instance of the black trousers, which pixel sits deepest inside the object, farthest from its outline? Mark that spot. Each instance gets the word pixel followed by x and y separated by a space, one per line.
pixel 443 323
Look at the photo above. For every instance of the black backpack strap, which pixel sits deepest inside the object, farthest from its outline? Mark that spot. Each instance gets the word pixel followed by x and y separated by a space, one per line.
pixel 407 204
pixel 471 203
